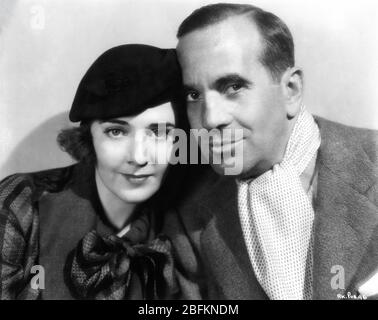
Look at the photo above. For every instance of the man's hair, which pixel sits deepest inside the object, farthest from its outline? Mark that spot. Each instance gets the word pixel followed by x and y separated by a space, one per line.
pixel 278 52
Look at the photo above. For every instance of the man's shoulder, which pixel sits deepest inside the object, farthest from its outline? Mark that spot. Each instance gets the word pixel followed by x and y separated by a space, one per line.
pixel 337 136
pixel 340 128
pixel 350 154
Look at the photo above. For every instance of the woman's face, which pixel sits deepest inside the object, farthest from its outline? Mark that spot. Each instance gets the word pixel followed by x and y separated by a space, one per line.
pixel 132 152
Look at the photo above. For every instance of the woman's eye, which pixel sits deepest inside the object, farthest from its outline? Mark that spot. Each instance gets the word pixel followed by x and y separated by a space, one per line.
pixel 114 132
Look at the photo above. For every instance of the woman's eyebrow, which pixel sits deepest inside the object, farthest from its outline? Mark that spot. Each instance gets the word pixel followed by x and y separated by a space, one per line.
pixel 116 121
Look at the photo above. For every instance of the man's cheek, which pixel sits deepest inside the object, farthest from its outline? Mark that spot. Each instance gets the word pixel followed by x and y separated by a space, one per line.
pixel 195 123
pixel 194 116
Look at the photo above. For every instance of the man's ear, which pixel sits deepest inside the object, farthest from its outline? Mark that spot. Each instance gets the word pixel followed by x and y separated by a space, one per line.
pixel 292 86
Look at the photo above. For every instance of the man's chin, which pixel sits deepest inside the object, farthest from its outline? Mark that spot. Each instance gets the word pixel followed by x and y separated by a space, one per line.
pixel 224 169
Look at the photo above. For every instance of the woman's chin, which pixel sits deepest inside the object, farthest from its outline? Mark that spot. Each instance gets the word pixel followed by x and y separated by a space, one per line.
pixel 137 196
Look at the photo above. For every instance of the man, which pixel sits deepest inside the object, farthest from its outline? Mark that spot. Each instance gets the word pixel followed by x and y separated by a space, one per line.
pixel 301 219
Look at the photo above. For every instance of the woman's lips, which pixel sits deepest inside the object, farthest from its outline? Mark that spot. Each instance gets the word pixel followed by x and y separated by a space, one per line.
pixel 137 178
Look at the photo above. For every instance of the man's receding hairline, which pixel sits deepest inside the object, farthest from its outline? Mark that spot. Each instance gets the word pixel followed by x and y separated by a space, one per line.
pixel 276 43
pixel 239 16
pixel 260 37
pixel 230 16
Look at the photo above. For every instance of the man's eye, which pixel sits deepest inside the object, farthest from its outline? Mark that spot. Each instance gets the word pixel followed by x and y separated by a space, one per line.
pixel 114 132
pixel 234 88
pixel 192 96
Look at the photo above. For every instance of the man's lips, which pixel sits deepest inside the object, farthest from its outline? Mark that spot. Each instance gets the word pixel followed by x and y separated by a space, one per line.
pixel 223 144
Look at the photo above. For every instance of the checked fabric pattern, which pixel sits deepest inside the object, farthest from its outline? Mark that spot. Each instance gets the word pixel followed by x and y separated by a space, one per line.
pixel 277 217
pixel 102 268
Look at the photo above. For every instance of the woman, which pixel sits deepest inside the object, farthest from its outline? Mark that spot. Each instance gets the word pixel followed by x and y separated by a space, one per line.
pixel 90 231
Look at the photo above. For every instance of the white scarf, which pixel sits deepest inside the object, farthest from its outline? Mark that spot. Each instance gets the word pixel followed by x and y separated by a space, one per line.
pixel 277 217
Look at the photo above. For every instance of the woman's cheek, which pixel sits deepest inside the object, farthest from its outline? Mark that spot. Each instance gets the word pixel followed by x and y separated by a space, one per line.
pixel 111 153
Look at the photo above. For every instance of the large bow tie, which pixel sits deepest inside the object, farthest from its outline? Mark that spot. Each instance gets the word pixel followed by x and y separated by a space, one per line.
pixel 103 268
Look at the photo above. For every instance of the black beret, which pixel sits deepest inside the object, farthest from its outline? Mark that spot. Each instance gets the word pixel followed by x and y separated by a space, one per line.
pixel 125 81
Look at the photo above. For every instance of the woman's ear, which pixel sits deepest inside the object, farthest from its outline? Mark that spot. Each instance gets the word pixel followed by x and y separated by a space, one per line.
pixel 292 86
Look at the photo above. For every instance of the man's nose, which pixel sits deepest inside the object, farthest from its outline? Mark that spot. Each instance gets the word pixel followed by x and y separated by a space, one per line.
pixel 138 153
pixel 215 114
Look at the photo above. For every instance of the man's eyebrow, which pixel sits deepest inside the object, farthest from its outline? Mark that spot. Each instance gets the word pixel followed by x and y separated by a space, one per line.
pixel 116 121
pixel 162 124
pixel 221 82
pixel 228 79
pixel 188 88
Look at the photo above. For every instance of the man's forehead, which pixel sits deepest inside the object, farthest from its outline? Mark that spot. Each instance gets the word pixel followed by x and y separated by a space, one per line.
pixel 235 37
pixel 217 50
pixel 238 28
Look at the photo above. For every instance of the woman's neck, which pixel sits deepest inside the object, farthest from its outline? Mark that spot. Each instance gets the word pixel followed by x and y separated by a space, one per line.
pixel 116 210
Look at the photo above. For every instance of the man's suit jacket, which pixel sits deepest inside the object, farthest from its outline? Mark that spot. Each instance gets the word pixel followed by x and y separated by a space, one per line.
pixel 211 256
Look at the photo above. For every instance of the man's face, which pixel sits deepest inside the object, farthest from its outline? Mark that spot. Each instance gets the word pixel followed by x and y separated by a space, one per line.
pixel 227 87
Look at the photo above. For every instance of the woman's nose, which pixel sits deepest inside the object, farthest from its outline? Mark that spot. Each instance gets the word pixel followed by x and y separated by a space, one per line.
pixel 138 153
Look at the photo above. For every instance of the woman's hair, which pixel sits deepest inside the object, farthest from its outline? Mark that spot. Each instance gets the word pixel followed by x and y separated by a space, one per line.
pixel 78 143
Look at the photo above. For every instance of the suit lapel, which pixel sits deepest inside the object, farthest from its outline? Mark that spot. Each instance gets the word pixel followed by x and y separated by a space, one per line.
pixel 223 237
pixel 346 220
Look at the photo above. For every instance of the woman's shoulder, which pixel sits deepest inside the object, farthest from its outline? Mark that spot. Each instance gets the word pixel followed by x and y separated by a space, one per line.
pixel 33 183
pixel 19 192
